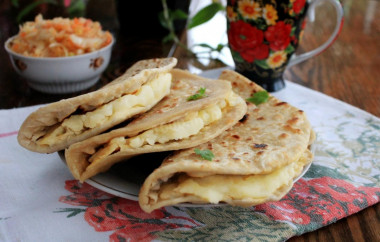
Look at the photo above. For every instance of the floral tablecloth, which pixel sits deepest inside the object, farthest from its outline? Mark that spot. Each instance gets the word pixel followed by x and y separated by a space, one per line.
pixel 40 200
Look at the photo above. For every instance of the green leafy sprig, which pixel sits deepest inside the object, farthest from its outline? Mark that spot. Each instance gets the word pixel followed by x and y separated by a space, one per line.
pixel 205 14
pixel 168 16
pixel 201 93
pixel 258 97
pixel 205 154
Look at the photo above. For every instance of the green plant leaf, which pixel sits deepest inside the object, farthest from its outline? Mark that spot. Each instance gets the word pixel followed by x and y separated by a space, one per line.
pixel 205 154
pixel 178 14
pixel 173 15
pixel 220 47
pixel 204 45
pixel 25 11
pixel 76 8
pixel 262 63
pixel 200 94
pixel 162 20
pixel 168 38
pixel 258 97
pixel 205 14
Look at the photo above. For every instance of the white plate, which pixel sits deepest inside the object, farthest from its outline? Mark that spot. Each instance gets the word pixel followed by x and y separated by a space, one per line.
pixel 125 179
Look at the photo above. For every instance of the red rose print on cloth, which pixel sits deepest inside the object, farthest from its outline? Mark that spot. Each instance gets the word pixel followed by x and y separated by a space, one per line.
pixel 323 200
pixel 298 6
pixel 278 36
pixel 248 41
pixel 105 212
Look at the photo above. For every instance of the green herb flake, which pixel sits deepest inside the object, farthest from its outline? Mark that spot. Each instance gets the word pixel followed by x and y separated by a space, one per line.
pixel 259 97
pixel 205 154
pixel 200 94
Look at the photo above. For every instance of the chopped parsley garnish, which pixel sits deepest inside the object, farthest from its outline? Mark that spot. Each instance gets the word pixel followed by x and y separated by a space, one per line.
pixel 200 94
pixel 259 97
pixel 205 154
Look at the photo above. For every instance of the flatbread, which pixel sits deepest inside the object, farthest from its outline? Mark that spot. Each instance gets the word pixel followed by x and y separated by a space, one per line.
pixel 97 154
pixel 242 190
pixel 271 137
pixel 44 120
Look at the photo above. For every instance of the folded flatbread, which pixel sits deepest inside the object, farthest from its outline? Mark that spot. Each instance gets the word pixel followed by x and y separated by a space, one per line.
pixel 174 123
pixel 57 125
pixel 254 161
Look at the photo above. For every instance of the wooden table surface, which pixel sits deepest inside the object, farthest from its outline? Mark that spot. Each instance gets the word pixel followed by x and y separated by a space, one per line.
pixel 349 70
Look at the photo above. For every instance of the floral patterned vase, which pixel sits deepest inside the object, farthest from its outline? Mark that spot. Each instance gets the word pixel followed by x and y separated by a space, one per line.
pixel 263 35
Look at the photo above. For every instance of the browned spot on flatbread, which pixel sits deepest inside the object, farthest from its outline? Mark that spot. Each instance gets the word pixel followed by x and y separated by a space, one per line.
pixel 259 146
pixel 176 86
pixel 235 136
pixel 281 103
pixel 292 121
pixel 260 152
pixel 224 144
pixel 260 118
pixel 289 128
pixel 283 136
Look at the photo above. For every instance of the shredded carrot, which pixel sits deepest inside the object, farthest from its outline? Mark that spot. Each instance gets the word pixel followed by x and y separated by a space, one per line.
pixel 60 37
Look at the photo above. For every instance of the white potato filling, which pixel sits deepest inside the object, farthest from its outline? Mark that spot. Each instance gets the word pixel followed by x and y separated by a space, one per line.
pixel 183 128
pixel 217 188
pixel 149 94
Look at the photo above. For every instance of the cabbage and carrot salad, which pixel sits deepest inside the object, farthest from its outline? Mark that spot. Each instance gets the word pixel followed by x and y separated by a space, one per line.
pixel 59 37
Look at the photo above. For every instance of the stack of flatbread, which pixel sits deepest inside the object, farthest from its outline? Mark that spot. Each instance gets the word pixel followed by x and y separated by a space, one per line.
pixel 57 125
pixel 174 123
pixel 224 148
pixel 255 161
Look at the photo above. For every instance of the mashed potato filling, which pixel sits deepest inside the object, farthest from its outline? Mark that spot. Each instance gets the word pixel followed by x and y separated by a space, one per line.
pixel 218 188
pixel 183 128
pixel 149 94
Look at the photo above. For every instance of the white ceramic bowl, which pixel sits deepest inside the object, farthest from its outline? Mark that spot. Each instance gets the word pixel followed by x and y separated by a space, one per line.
pixel 60 75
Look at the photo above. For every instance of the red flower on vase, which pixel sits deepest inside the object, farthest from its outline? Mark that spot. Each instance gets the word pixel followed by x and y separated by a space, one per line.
pixel 278 36
pixel 298 6
pixel 247 40
pixel 105 212
pixel 323 200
